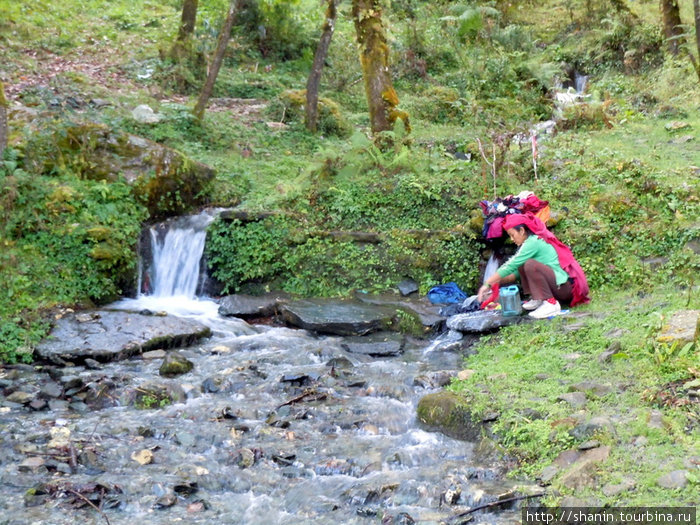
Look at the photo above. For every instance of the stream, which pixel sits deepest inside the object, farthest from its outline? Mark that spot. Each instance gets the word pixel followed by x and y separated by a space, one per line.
pixel 272 426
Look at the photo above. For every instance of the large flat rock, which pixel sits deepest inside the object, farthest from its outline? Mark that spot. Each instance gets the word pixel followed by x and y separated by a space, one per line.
pixel 107 335
pixel 483 321
pixel 249 306
pixel 338 317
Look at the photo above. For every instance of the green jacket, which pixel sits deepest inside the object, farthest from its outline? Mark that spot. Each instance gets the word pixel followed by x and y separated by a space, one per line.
pixel 538 249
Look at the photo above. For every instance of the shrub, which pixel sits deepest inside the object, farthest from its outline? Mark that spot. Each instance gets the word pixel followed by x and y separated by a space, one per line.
pixel 288 107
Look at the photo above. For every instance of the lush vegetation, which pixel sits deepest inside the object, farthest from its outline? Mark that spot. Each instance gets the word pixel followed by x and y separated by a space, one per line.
pixel 354 212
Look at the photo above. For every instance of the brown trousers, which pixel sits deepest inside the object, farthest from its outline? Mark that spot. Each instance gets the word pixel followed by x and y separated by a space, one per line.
pixel 539 282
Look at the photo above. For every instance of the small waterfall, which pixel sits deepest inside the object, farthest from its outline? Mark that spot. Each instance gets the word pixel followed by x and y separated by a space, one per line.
pixel 170 274
pixel 177 252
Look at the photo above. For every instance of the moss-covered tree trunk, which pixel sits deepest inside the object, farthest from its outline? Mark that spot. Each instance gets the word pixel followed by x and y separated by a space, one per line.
pixel 216 61
pixel 374 56
pixel 696 9
pixel 188 21
pixel 3 119
pixel 314 80
pixel 672 25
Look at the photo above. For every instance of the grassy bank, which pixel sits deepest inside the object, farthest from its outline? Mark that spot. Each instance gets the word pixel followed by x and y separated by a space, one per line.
pixel 636 394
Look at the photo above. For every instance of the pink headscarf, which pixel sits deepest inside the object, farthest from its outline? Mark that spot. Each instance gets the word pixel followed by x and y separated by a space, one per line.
pixel 567 261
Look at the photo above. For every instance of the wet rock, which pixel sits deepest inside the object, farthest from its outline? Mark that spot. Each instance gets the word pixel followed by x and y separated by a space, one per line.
pixel 381 344
pixel 249 306
pixel 481 322
pixel 340 362
pixel 165 501
pixel 154 395
pixel 143 457
pixel 116 335
pixel 153 354
pixel 434 379
pixel 31 464
pixel 337 317
pixel 211 385
pixel 245 458
pixel 51 391
pixel 21 398
pixel 185 439
pixel 447 413
pixel 175 364
pixel 451 495
pixel 38 404
pixel 674 480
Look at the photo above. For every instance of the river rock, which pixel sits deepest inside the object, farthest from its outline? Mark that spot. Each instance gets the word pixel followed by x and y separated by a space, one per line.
pixel 115 335
pixel 248 306
pixel 427 313
pixel 22 398
pixel 482 321
pixel 380 344
pixel 175 364
pixel 337 317
pixel 447 413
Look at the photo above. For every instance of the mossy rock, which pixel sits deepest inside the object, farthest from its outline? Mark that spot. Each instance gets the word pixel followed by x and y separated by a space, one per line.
pixel 168 182
pixel 104 251
pixel 290 106
pixel 447 413
pixel 175 364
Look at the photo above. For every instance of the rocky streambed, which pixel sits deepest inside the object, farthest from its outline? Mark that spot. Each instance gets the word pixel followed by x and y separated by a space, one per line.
pixel 261 424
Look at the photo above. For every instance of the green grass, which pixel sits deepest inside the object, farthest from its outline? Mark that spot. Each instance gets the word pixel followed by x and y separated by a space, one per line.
pixel 521 371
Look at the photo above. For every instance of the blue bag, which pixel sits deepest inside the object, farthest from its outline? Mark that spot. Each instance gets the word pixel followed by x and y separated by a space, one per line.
pixel 448 293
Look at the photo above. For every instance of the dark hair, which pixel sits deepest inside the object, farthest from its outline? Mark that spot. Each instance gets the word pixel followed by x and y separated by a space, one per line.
pixel 525 227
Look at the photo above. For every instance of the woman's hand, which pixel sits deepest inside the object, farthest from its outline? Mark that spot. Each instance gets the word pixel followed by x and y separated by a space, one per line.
pixel 483 292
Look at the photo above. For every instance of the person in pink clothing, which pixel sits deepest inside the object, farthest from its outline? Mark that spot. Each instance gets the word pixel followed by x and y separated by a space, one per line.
pixel 547 269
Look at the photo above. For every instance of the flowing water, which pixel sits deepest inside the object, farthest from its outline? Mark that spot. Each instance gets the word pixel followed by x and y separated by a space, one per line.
pixel 272 426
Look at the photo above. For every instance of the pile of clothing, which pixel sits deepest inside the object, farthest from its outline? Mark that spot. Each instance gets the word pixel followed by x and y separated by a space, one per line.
pixel 496 211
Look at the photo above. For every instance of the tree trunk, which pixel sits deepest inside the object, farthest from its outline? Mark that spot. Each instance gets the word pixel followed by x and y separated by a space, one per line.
pixel 672 25
pixel 374 57
pixel 312 84
pixel 187 24
pixel 696 8
pixel 188 20
pixel 217 59
pixel 3 120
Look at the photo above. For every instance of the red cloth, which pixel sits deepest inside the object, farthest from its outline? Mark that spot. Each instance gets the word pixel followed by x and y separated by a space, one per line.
pixel 567 261
pixel 495 288
pixel 533 204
